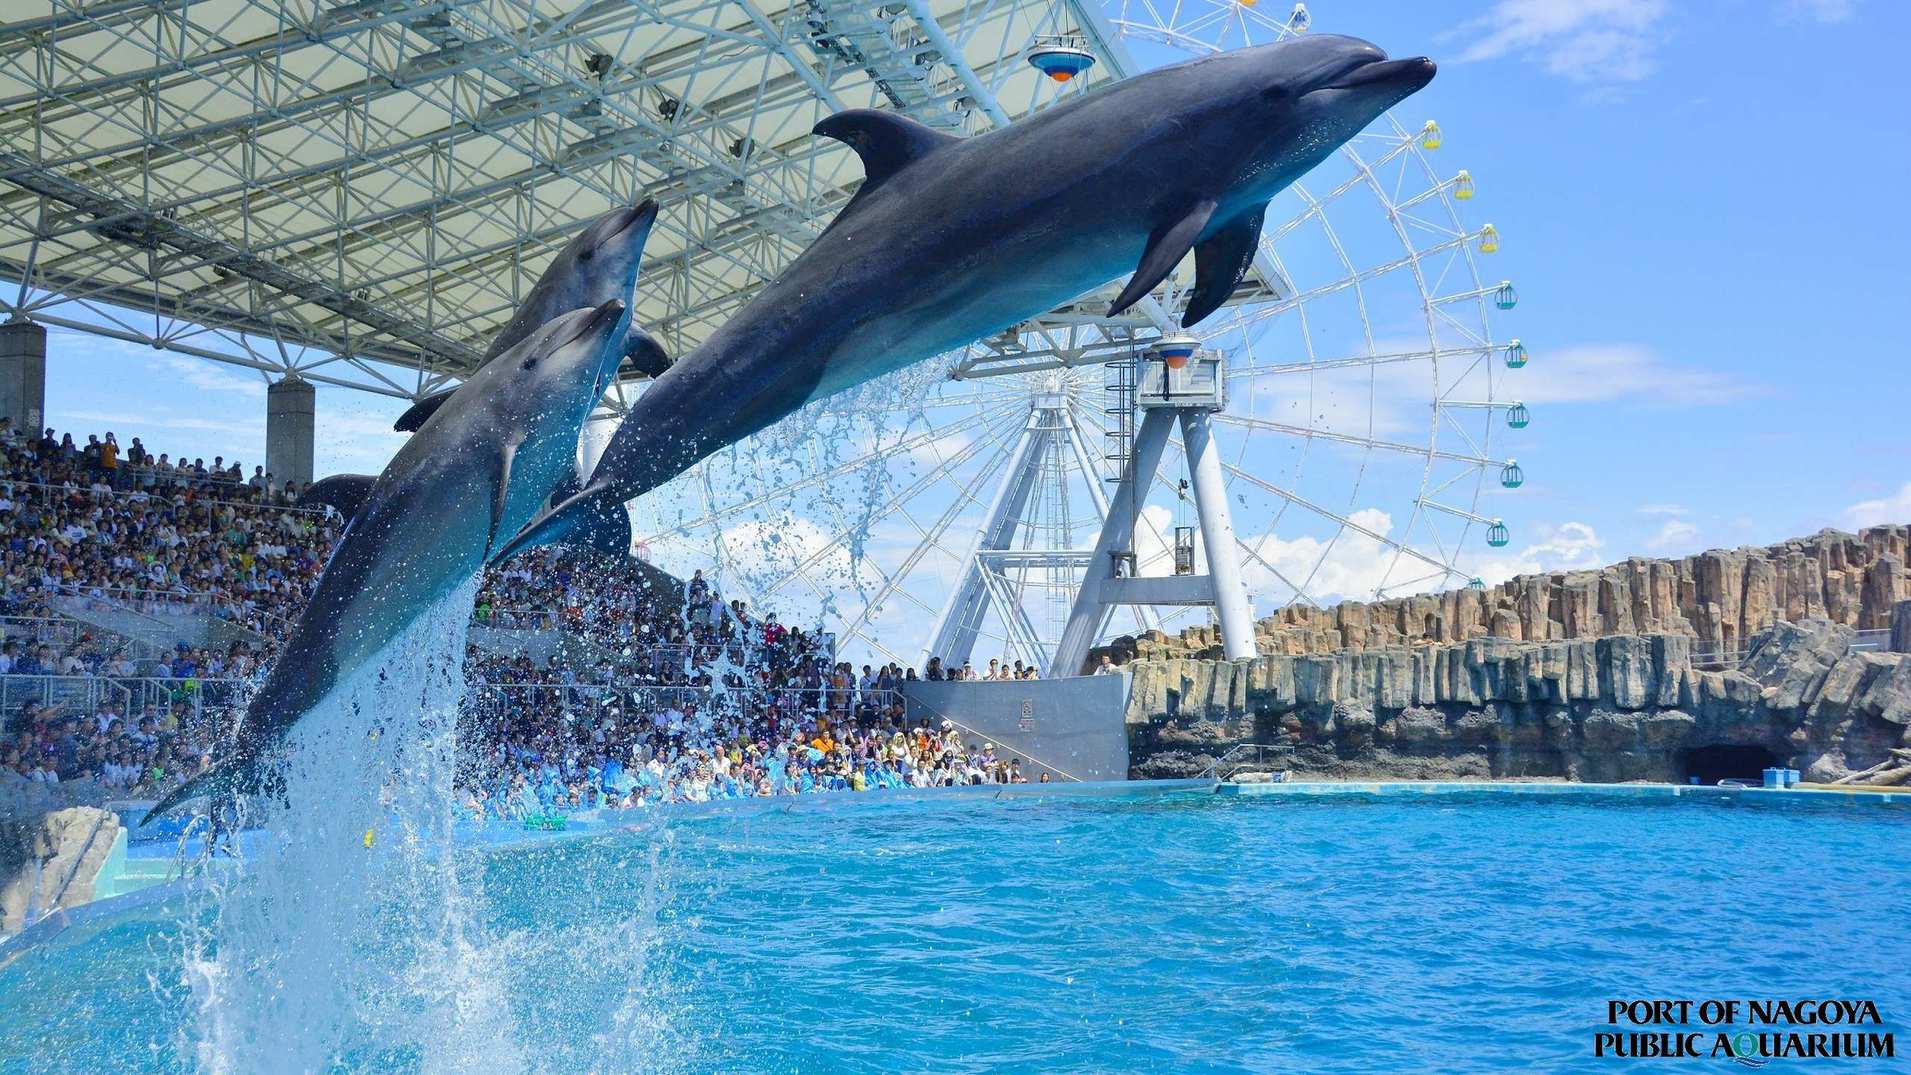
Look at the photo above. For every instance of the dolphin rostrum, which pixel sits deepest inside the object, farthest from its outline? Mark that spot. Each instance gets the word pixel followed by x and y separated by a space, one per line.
pixel 594 268
pixel 599 265
pixel 949 240
pixel 476 471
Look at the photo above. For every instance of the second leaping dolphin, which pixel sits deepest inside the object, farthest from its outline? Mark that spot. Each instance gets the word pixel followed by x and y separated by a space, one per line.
pixel 949 240
pixel 598 265
pixel 477 470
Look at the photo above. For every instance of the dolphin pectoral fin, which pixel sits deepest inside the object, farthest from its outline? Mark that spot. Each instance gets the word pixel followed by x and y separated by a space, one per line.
pixel 1220 261
pixel 588 520
pixel 345 492
pixel 501 492
pixel 644 353
pixel 1166 247
pixel 422 410
pixel 887 142
pixel 221 778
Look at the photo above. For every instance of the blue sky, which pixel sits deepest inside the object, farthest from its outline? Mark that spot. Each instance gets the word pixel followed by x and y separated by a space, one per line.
pixel 1695 200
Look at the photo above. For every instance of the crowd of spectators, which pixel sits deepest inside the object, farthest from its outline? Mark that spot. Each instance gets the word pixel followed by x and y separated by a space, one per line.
pixel 141 532
pixel 664 691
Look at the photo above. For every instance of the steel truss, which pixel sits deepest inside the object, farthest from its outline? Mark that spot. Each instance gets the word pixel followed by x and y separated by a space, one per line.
pixel 361 192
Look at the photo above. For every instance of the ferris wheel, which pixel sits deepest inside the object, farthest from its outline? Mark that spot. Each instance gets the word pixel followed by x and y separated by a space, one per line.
pixel 948 510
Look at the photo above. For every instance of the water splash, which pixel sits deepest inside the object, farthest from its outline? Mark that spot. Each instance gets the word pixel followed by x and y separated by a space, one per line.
pixel 347 939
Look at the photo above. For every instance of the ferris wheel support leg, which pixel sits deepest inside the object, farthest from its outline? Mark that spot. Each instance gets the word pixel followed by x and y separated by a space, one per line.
pixel 1117 535
pixel 1217 536
pixel 953 636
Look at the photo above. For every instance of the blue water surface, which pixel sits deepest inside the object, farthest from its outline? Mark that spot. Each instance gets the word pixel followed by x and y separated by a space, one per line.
pixel 1183 932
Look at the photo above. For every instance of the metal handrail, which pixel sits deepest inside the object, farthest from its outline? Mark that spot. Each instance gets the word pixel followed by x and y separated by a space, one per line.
pixel 16 690
pixel 73 871
pixel 1213 771
pixel 194 601
pixel 1869 640
pixel 253 505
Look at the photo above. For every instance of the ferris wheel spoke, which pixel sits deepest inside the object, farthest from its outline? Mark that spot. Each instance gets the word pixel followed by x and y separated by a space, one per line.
pixel 1375 443
pixel 914 489
pixel 1263 311
pixel 1253 551
pixel 1351 362
pixel 1015 622
pixel 714 516
pixel 1328 513
pixel 931 539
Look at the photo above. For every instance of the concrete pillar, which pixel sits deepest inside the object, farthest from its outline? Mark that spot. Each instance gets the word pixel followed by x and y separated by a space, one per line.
pixel 1217 536
pixel 23 376
pixel 290 406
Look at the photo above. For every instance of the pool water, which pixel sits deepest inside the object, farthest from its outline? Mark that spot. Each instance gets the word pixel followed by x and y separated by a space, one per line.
pixel 1166 932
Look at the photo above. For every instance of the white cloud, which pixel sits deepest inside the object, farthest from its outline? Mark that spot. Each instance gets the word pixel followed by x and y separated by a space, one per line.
pixel 1595 42
pixel 1674 536
pixel 1887 509
pixel 208 376
pixel 1570 546
pixel 1599 373
pixel 763 551
pixel 240 430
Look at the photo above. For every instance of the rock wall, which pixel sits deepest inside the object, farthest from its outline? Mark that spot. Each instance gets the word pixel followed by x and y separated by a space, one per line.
pixel 51 860
pixel 1721 597
pixel 1624 707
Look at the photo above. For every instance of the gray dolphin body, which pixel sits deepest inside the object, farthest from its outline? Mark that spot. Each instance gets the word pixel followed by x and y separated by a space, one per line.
pixel 598 265
pixel 950 240
pixel 476 471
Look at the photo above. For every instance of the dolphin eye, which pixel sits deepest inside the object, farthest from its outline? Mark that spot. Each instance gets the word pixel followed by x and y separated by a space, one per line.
pixel 529 364
pixel 586 255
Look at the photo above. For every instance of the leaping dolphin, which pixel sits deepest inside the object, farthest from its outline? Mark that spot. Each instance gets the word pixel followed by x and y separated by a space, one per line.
pixel 476 471
pixel 949 240
pixel 597 266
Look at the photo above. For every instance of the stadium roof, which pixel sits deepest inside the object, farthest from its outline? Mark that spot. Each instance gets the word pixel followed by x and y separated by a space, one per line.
pixel 311 186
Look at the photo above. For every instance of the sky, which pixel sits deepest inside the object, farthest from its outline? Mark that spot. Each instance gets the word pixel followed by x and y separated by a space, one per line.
pixel 1695 200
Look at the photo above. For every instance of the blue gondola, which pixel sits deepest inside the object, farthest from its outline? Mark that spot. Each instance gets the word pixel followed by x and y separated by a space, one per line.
pixel 1060 58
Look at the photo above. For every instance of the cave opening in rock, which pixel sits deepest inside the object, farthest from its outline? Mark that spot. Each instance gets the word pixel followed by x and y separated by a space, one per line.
pixel 1727 761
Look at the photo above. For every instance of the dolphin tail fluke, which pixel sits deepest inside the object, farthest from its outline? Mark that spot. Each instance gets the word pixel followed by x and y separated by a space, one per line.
pixel 589 520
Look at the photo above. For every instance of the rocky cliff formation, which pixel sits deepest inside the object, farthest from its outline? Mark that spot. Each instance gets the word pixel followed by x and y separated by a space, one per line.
pixel 1627 707
pixel 1721 598
pixel 51 860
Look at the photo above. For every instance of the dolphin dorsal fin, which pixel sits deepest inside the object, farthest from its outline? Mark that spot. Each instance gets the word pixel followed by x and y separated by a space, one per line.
pixel 344 492
pixel 409 421
pixel 644 353
pixel 887 142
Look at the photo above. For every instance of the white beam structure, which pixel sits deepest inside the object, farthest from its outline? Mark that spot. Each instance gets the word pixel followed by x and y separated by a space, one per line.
pixel 1112 578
